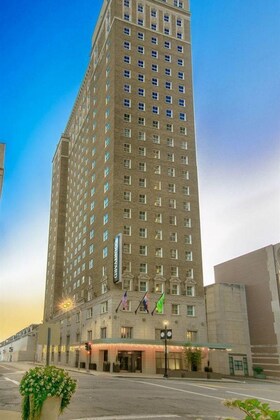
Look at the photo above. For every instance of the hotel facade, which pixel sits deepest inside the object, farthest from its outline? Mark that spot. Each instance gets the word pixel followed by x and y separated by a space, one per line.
pixel 124 221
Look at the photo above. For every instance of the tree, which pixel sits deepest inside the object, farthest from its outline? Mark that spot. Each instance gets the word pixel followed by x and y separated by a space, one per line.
pixel 193 357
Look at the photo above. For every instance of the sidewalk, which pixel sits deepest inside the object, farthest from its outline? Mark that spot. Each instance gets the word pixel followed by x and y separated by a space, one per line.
pixel 9 415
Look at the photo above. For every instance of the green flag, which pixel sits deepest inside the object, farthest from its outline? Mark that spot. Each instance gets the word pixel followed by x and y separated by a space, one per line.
pixel 160 302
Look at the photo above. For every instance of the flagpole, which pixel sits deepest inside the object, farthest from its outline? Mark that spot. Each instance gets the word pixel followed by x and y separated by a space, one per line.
pixel 118 306
pixel 140 303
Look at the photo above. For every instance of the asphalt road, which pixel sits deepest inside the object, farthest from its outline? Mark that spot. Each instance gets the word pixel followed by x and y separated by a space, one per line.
pixel 108 397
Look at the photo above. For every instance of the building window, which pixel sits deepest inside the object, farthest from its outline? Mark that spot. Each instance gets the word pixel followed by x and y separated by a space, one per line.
pixel 142 166
pixel 127 163
pixel 154 54
pixel 171 172
pixel 127 230
pixel 190 310
pixel 127 213
pixel 127 147
pixel 174 271
pixel 126 332
pixel 191 336
pixel 127 132
pixel 172 188
pixel 182 116
pixel 169 113
pixel 158 218
pixel 143 268
pixel 158 234
pixel 126 248
pixel 159 285
pixel 175 289
pixel 142 182
pixel 158 252
pixel 190 291
pixel 127 45
pixel 143 215
pixel 143 250
pixel 155 109
pixel 105 252
pixel 158 202
pixel 154 81
pixel 174 254
pixel 89 313
pixel 127 196
pixel 142 198
pixel 127 73
pixel 173 220
pixel 173 237
pixel 140 35
pixel 143 232
pixel 103 332
pixel 143 286
pixel 154 40
pixel 127 59
pixel 127 103
pixel 175 309
pixel 126 31
pixel 186 190
pixel 187 223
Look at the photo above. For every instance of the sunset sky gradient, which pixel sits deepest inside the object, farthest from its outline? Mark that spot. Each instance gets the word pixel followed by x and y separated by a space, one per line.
pixel 45 49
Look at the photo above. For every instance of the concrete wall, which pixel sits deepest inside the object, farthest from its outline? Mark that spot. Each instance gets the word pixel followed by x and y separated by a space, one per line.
pixel 227 322
pixel 258 271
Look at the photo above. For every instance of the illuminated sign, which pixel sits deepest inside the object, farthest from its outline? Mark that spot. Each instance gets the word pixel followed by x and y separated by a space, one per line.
pixel 117 259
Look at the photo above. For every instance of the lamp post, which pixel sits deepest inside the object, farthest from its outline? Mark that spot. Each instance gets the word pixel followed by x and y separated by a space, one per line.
pixel 165 334
pixel 165 352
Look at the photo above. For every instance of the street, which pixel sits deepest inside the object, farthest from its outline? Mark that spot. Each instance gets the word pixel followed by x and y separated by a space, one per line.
pixel 108 397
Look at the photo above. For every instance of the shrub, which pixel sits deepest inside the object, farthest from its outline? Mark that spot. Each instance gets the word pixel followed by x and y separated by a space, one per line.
pixel 254 409
pixel 42 382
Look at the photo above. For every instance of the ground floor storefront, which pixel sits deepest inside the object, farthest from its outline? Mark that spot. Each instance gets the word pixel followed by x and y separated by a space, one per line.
pixel 131 358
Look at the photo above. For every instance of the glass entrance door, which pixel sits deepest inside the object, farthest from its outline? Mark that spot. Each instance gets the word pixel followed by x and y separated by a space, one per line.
pixel 130 361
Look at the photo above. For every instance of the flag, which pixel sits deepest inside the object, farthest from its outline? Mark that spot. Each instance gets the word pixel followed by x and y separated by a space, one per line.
pixel 146 302
pixel 124 300
pixel 160 303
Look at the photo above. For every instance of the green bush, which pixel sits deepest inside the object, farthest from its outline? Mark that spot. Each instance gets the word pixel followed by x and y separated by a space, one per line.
pixel 254 409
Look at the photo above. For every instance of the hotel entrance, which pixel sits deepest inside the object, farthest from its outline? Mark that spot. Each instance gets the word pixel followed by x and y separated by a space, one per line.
pixel 130 361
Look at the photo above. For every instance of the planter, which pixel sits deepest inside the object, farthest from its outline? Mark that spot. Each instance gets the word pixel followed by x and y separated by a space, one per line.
pixel 116 367
pixel 51 408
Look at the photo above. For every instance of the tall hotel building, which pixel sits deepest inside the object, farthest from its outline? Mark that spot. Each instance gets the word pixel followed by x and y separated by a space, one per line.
pixel 124 209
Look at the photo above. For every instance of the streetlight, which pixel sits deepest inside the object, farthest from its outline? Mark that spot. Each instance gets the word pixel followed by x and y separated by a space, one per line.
pixel 165 334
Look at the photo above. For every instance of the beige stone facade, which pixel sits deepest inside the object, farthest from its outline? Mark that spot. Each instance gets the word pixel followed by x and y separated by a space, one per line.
pixel 227 322
pixel 259 272
pixel 126 165
pixel 2 151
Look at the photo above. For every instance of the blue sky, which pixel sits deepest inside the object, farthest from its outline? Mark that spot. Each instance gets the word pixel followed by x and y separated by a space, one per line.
pixel 45 49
